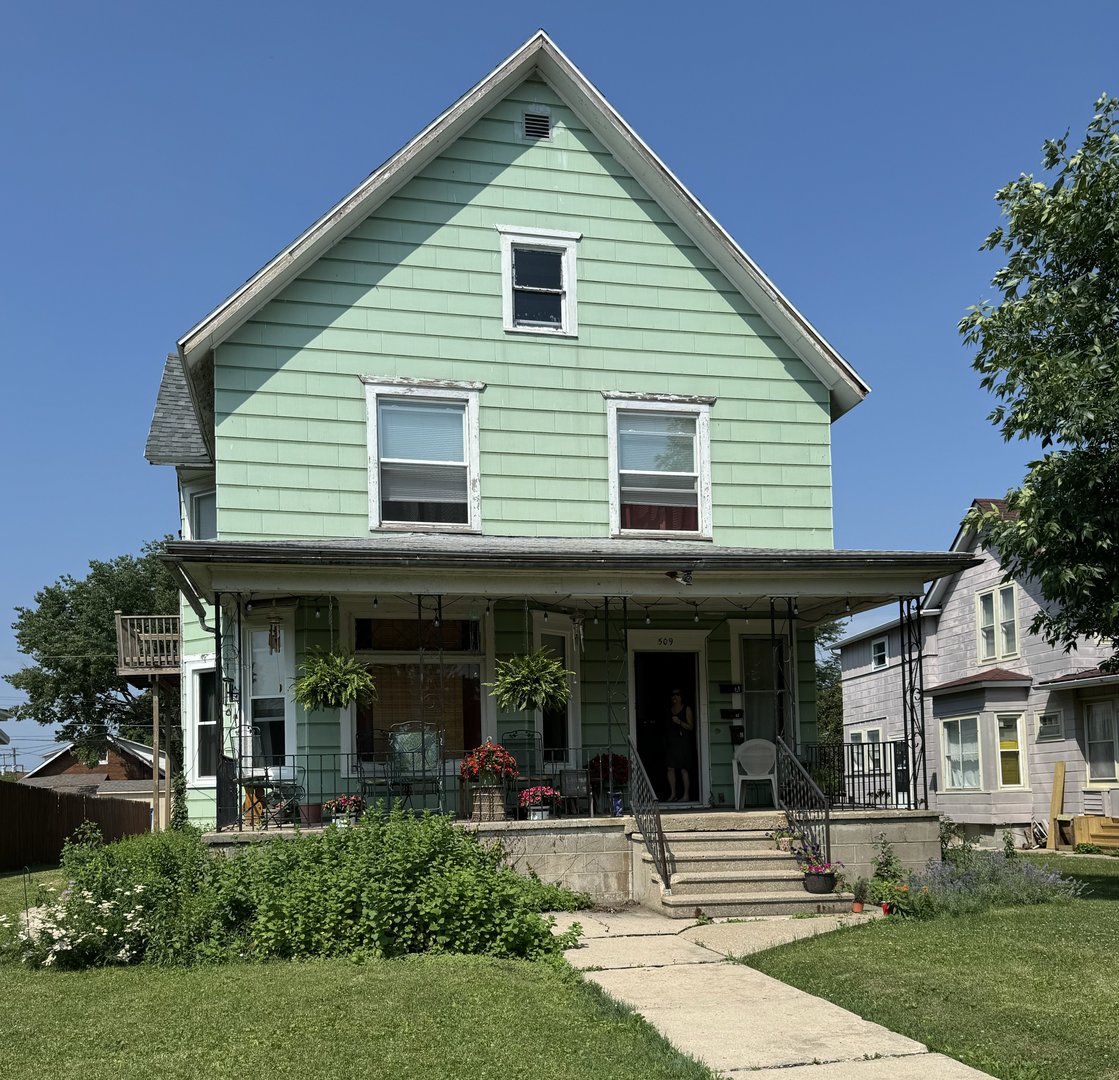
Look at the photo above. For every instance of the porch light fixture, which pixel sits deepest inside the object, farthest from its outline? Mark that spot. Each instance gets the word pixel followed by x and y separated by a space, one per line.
pixel 595 610
pixel 545 616
pixel 681 577
pixel 696 618
pixel 847 606
pixel 318 612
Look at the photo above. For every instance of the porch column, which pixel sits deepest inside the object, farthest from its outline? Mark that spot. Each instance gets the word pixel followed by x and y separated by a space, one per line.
pixel 913 698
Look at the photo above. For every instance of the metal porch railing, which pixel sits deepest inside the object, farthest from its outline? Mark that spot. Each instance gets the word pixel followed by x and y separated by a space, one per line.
pixel 863 775
pixel 646 811
pixel 804 804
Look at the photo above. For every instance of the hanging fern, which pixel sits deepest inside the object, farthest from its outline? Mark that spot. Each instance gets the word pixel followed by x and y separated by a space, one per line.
pixel 535 681
pixel 332 680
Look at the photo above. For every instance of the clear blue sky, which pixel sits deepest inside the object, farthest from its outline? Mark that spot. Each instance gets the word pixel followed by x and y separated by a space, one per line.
pixel 154 156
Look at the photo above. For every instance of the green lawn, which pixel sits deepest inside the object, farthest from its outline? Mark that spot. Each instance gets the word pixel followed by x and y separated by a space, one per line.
pixel 12 888
pixel 1021 993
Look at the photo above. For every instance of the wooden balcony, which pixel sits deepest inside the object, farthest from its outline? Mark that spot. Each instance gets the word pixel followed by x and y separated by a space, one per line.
pixel 147 644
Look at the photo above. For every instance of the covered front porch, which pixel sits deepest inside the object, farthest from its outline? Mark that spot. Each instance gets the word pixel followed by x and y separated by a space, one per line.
pixel 650 631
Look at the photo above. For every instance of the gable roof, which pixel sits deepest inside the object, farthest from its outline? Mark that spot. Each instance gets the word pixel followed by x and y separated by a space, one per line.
pixel 137 750
pixel 991 677
pixel 175 437
pixel 541 55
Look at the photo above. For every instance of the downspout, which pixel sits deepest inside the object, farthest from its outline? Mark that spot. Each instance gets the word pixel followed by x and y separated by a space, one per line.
pixel 186 587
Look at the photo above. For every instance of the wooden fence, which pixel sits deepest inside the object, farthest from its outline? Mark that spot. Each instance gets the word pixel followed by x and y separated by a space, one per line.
pixel 34 822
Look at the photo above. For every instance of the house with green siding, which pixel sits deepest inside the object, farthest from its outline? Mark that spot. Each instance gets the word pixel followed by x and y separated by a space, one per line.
pixel 517 391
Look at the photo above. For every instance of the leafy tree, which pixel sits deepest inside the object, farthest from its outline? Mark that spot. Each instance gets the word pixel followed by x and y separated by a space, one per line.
pixel 829 692
pixel 1049 351
pixel 70 634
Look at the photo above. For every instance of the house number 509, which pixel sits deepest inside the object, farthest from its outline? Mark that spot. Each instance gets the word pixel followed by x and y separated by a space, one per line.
pixel 665 640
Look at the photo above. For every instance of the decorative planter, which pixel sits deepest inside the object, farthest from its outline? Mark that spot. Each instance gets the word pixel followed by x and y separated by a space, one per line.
pixel 343 821
pixel 784 843
pixel 539 813
pixel 819 883
pixel 310 813
pixel 857 907
pixel 488 804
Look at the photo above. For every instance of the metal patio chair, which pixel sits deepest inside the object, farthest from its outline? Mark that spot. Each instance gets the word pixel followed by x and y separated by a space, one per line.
pixel 416 763
pixel 284 793
pixel 528 749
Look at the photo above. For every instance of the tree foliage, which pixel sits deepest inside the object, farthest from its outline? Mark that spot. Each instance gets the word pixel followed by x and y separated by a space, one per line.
pixel 70 634
pixel 829 692
pixel 1049 351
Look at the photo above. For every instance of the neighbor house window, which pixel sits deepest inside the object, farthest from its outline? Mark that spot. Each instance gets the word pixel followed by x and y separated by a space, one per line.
pixel 997 624
pixel 1049 726
pixel 1101 740
pixel 866 756
pixel 423 456
pixel 660 462
pixel 879 652
pixel 1012 772
pixel 538 280
pixel 960 752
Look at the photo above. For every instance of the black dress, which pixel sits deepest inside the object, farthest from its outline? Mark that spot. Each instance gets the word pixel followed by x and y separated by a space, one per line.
pixel 678 743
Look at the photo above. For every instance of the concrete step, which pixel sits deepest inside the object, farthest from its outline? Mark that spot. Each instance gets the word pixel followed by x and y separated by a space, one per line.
pixel 735 882
pixel 722 905
pixel 683 861
pixel 726 843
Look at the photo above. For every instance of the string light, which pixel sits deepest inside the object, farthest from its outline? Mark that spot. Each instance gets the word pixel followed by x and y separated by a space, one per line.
pixel 374 603
pixel 647 620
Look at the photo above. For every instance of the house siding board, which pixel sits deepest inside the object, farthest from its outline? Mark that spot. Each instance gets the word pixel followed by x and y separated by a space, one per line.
pixel 415 290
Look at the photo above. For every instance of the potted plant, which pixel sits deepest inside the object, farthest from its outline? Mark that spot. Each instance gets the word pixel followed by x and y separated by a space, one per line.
pixel 859 892
pixel 535 681
pixel 820 877
pixel 609 772
pixel 332 680
pixel 344 810
pixel 784 838
pixel 538 800
pixel 487 767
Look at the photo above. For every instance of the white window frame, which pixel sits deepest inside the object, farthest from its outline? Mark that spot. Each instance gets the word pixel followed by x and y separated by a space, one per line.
pixel 1023 764
pixel 1054 735
pixel 996 607
pixel 191 669
pixel 874 643
pixel 565 243
pixel 944 722
pixel 467 393
pixel 1103 781
pixel 286 624
pixel 190 492
pixel 562 626
pixel 862 736
pixel 700 411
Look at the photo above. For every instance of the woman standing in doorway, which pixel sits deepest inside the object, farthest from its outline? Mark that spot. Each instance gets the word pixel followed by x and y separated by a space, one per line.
pixel 678 744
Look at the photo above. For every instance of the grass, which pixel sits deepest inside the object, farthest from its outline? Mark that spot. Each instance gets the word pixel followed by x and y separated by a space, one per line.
pixel 12 888
pixel 425 1018
pixel 1023 993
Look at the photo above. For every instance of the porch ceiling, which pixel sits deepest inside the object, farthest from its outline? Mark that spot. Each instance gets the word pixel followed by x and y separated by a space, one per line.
pixel 575 571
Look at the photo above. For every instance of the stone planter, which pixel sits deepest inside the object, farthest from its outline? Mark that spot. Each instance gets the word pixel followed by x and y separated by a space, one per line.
pixel 819 883
pixel 488 804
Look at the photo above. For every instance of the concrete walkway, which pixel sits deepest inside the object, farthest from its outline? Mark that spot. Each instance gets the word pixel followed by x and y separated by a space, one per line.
pixel 741 1023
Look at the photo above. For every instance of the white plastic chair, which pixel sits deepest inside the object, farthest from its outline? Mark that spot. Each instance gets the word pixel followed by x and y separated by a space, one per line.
pixel 755 759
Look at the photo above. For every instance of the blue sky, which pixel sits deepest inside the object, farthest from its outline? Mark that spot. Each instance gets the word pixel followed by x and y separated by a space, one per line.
pixel 157 155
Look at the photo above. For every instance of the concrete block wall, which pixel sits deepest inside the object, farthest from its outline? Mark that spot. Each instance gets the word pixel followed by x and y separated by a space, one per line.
pixel 914 834
pixel 587 855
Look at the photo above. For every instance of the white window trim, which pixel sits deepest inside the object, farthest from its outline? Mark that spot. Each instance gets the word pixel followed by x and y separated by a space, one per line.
pixel 443 391
pixel 562 626
pixel 995 593
pixel 287 662
pixel 191 669
pixel 980 789
pixel 189 491
pixel 546 240
pixel 701 411
pixel 1039 715
pixel 1105 782
pixel 1023 760
pixel 885 642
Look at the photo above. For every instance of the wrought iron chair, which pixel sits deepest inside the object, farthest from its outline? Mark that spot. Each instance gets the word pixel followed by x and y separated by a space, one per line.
pixel 416 762
pixel 527 747
pixel 284 792
pixel 755 760
pixel 574 786
pixel 375 780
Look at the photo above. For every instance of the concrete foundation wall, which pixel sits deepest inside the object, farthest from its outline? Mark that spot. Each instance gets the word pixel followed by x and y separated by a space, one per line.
pixel 914 834
pixel 585 855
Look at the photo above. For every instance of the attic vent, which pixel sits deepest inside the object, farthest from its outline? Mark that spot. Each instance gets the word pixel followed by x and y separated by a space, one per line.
pixel 538 125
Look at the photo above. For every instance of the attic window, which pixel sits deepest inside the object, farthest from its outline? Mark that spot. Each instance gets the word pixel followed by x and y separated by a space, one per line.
pixel 537 125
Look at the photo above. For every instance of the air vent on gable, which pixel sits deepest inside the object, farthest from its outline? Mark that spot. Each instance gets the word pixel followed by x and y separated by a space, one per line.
pixel 537 125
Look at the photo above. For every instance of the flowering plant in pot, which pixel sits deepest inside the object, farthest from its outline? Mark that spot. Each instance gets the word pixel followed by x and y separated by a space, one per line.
pixel 819 876
pixel 609 768
pixel 488 765
pixel 859 893
pixel 343 809
pixel 784 838
pixel 537 801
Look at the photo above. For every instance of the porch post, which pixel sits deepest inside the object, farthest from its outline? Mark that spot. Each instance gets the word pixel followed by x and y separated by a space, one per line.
pixel 913 697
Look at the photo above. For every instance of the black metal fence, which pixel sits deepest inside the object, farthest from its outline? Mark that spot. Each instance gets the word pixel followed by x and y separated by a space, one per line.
pixel 862 775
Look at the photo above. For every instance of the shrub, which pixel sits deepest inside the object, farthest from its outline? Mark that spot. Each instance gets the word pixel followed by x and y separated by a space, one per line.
pixel 394 884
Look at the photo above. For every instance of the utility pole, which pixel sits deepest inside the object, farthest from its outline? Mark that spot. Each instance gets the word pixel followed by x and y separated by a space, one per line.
pixel 155 754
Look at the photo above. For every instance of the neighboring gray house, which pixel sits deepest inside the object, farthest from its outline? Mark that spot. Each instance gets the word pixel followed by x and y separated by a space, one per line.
pixel 1001 706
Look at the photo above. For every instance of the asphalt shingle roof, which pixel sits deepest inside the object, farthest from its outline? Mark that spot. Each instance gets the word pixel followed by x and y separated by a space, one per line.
pixel 174 437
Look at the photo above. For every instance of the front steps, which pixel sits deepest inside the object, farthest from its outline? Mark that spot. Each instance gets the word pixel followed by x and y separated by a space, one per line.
pixel 725 865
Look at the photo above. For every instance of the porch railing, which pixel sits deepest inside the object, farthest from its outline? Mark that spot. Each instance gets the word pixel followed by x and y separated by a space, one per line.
pixel 147 644
pixel 804 804
pixel 645 809
pixel 863 775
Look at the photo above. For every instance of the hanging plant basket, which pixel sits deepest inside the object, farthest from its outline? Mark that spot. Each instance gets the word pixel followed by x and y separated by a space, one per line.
pixel 534 681
pixel 332 680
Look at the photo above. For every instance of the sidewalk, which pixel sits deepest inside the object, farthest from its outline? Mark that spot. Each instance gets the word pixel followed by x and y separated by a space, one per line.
pixel 741 1023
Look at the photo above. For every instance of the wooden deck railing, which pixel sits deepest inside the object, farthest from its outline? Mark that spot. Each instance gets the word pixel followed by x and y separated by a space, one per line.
pixel 147 644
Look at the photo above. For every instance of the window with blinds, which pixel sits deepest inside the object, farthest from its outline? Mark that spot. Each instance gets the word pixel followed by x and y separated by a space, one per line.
pixel 658 471
pixel 422 455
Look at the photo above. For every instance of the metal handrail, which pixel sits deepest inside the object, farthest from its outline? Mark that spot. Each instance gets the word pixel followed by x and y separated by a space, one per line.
pixel 804 804
pixel 646 811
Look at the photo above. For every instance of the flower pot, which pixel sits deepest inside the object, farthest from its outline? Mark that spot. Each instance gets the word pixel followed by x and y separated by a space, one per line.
pixel 857 907
pixel 819 883
pixel 885 907
pixel 784 843
pixel 488 804
pixel 310 813
pixel 539 813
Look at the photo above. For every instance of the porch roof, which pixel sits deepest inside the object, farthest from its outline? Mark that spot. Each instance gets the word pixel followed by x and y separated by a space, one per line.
pixel 571 567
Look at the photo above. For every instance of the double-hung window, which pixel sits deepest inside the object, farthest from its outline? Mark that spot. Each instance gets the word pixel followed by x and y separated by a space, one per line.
pixel 423 455
pixel 538 280
pixel 1012 770
pixel 879 652
pixel 959 740
pixel 997 624
pixel 1102 741
pixel 660 467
